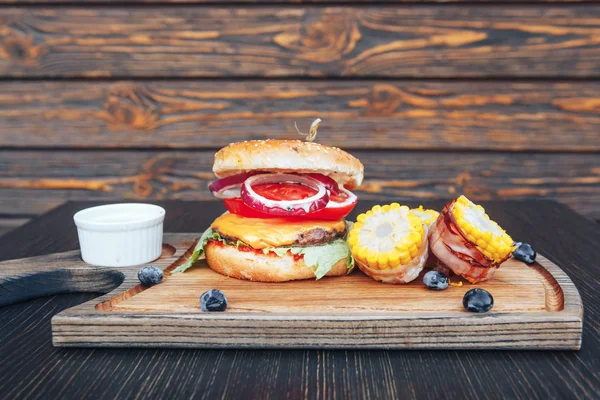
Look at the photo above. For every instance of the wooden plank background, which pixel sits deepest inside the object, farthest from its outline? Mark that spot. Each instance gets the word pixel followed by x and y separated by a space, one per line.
pixel 461 115
pixel 33 181
pixel 123 100
pixel 281 2
pixel 443 41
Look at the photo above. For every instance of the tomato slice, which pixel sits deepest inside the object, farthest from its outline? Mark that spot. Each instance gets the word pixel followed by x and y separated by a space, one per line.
pixel 331 212
pixel 338 198
pixel 237 206
pixel 284 191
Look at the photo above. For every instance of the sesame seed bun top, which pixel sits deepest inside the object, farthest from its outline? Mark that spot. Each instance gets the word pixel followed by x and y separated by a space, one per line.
pixel 283 156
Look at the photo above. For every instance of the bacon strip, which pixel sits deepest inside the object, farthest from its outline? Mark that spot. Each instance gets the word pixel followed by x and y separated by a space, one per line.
pixel 456 252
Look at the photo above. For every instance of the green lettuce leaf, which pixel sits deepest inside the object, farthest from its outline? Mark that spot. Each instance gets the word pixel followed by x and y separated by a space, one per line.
pixel 199 249
pixel 350 264
pixel 323 258
pixel 320 258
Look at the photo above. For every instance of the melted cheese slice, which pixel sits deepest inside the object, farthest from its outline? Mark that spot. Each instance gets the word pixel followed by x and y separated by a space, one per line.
pixel 273 232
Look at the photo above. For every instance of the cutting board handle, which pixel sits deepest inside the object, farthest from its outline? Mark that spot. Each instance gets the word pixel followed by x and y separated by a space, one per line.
pixel 28 278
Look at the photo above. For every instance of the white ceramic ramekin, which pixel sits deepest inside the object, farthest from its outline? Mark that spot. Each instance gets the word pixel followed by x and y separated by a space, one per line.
pixel 120 235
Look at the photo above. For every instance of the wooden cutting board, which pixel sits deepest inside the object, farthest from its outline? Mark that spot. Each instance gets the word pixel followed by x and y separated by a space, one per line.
pixel 535 307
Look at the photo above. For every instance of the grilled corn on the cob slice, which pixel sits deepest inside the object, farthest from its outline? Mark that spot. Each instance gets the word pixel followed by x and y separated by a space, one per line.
pixel 486 234
pixel 465 240
pixel 388 243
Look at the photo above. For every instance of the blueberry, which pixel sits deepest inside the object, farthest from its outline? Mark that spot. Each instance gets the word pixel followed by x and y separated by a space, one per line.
pixel 213 300
pixel 525 253
pixel 150 275
pixel 478 300
pixel 435 280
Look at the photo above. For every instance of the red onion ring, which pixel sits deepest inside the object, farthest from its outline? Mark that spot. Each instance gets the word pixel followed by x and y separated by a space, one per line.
pixel 284 207
pixel 351 198
pixel 229 193
pixel 328 181
pixel 229 187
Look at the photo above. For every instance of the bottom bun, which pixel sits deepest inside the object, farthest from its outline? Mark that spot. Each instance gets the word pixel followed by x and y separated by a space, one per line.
pixel 227 260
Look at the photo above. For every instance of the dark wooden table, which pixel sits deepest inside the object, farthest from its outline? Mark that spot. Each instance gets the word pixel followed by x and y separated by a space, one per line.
pixel 30 367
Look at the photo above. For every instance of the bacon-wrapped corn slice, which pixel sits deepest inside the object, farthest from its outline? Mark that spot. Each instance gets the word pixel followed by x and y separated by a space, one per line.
pixel 428 216
pixel 465 240
pixel 389 243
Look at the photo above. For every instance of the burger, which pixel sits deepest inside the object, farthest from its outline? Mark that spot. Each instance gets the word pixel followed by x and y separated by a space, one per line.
pixel 286 202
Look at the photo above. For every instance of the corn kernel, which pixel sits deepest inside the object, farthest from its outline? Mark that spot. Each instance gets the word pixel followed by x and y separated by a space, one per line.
pixel 362 254
pixel 395 206
pixel 382 261
pixel 415 237
pixel 376 209
pixel 394 259
pixel 383 258
pixel 385 208
pixel 406 243
pixel 372 259
pixel 487 237
pixel 402 254
pixel 361 218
